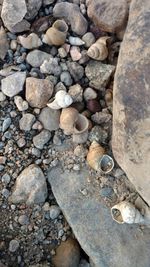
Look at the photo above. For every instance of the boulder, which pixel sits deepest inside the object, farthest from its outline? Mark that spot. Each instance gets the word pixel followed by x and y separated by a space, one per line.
pixel 131 111
pixel 109 16
pixel 106 242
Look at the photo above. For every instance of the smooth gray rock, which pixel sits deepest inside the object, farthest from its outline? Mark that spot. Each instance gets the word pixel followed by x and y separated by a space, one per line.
pixel 107 243
pixel 50 118
pixel 41 139
pixel 12 15
pixel 36 58
pixel 26 122
pixel 131 106
pixel 13 245
pixel 33 7
pixel 13 84
pixel 30 186
pixel 98 73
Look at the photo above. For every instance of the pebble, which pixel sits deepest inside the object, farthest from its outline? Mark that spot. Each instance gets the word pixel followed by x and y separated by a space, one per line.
pixel 36 152
pixel 13 45
pixel 76 92
pixel 2 97
pixel 75 53
pixel 21 142
pixel 26 122
pixel 62 52
pixel 4 45
pixel 60 86
pixel 21 104
pixel 98 134
pixel 101 117
pixel 76 71
pixel 36 58
pixel 6 178
pixel 66 78
pixel 5 193
pixel 6 124
pixel 50 119
pixel 51 66
pixel 13 245
pixel 89 39
pixel 54 212
pixel 37 126
pixel 1 167
pixel 13 84
pixel 23 219
pixel 89 94
pixel 41 139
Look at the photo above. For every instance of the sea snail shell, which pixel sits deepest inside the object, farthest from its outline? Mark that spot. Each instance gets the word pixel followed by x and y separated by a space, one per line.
pixel 125 212
pixel 62 100
pixel 68 118
pixel 80 130
pixel 99 50
pixel 31 41
pixel 56 35
pixel 96 151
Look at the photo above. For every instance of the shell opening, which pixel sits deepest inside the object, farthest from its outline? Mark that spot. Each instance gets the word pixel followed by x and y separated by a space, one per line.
pixel 81 124
pixel 60 25
pixel 106 164
pixel 116 214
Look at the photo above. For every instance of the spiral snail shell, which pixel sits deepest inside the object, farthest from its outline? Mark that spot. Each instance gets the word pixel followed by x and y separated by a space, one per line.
pixel 62 100
pixel 80 130
pixel 68 118
pixel 99 50
pixel 96 151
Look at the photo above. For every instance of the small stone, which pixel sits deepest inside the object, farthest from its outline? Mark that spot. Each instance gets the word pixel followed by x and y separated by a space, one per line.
pixel 1 167
pixel 4 45
pixel 30 186
pixel 48 2
pixel 38 91
pixel 66 78
pixel 33 7
pixel 6 124
pixel 62 52
pixel 5 193
pixel 13 245
pixel 75 53
pixel 37 126
pixel 12 15
pixel 21 142
pixel 101 117
pixel 89 39
pixel 60 86
pixel 51 66
pixel 76 167
pixel 26 122
pixel 54 212
pixel 50 118
pixel 13 45
pixel 98 74
pixel 13 84
pixel 6 178
pixel 80 151
pixel 2 97
pixel 67 254
pixel 76 92
pixel 36 152
pixel 89 94
pixel 108 192
pixel 98 134
pixel 21 104
pixel 23 219
pixel 3 159
pixel 36 58
pixel 109 16
pixel 76 71
pixel 41 139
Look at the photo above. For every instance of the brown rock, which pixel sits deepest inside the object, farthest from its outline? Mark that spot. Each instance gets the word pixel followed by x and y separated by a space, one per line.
pixel 38 92
pixel 72 13
pixel 131 115
pixel 110 16
pixel 67 254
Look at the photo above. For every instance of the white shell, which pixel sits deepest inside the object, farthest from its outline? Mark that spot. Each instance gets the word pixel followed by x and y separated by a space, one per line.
pixel 127 213
pixel 62 100
pixel 31 41
pixel 76 41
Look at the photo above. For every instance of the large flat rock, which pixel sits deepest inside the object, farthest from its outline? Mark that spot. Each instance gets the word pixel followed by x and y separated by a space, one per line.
pixel 107 243
pixel 131 107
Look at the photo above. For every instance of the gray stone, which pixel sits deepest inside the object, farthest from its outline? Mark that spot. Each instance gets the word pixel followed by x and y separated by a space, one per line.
pixel 36 58
pixel 76 71
pixel 84 263
pixel 54 212
pixel 98 134
pixel 41 139
pixel 38 92
pixel 89 39
pixel 23 219
pixel 33 7
pixel 101 117
pixel 2 97
pixel 131 111
pixel 21 104
pixel 98 74
pixel 48 2
pixel 4 45
pixel 30 186
pixel 6 124
pixel 12 15
pixel 26 122
pixel 21 142
pixel 13 84
pixel 13 245
pixel 76 92
pixel 104 241
pixel 109 16
pixel 50 118
pixel 6 178
pixel 66 78
pixel 5 193
pixel 51 66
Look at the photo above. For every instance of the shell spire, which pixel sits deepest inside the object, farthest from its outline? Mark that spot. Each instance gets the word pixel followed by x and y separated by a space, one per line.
pixel 99 50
